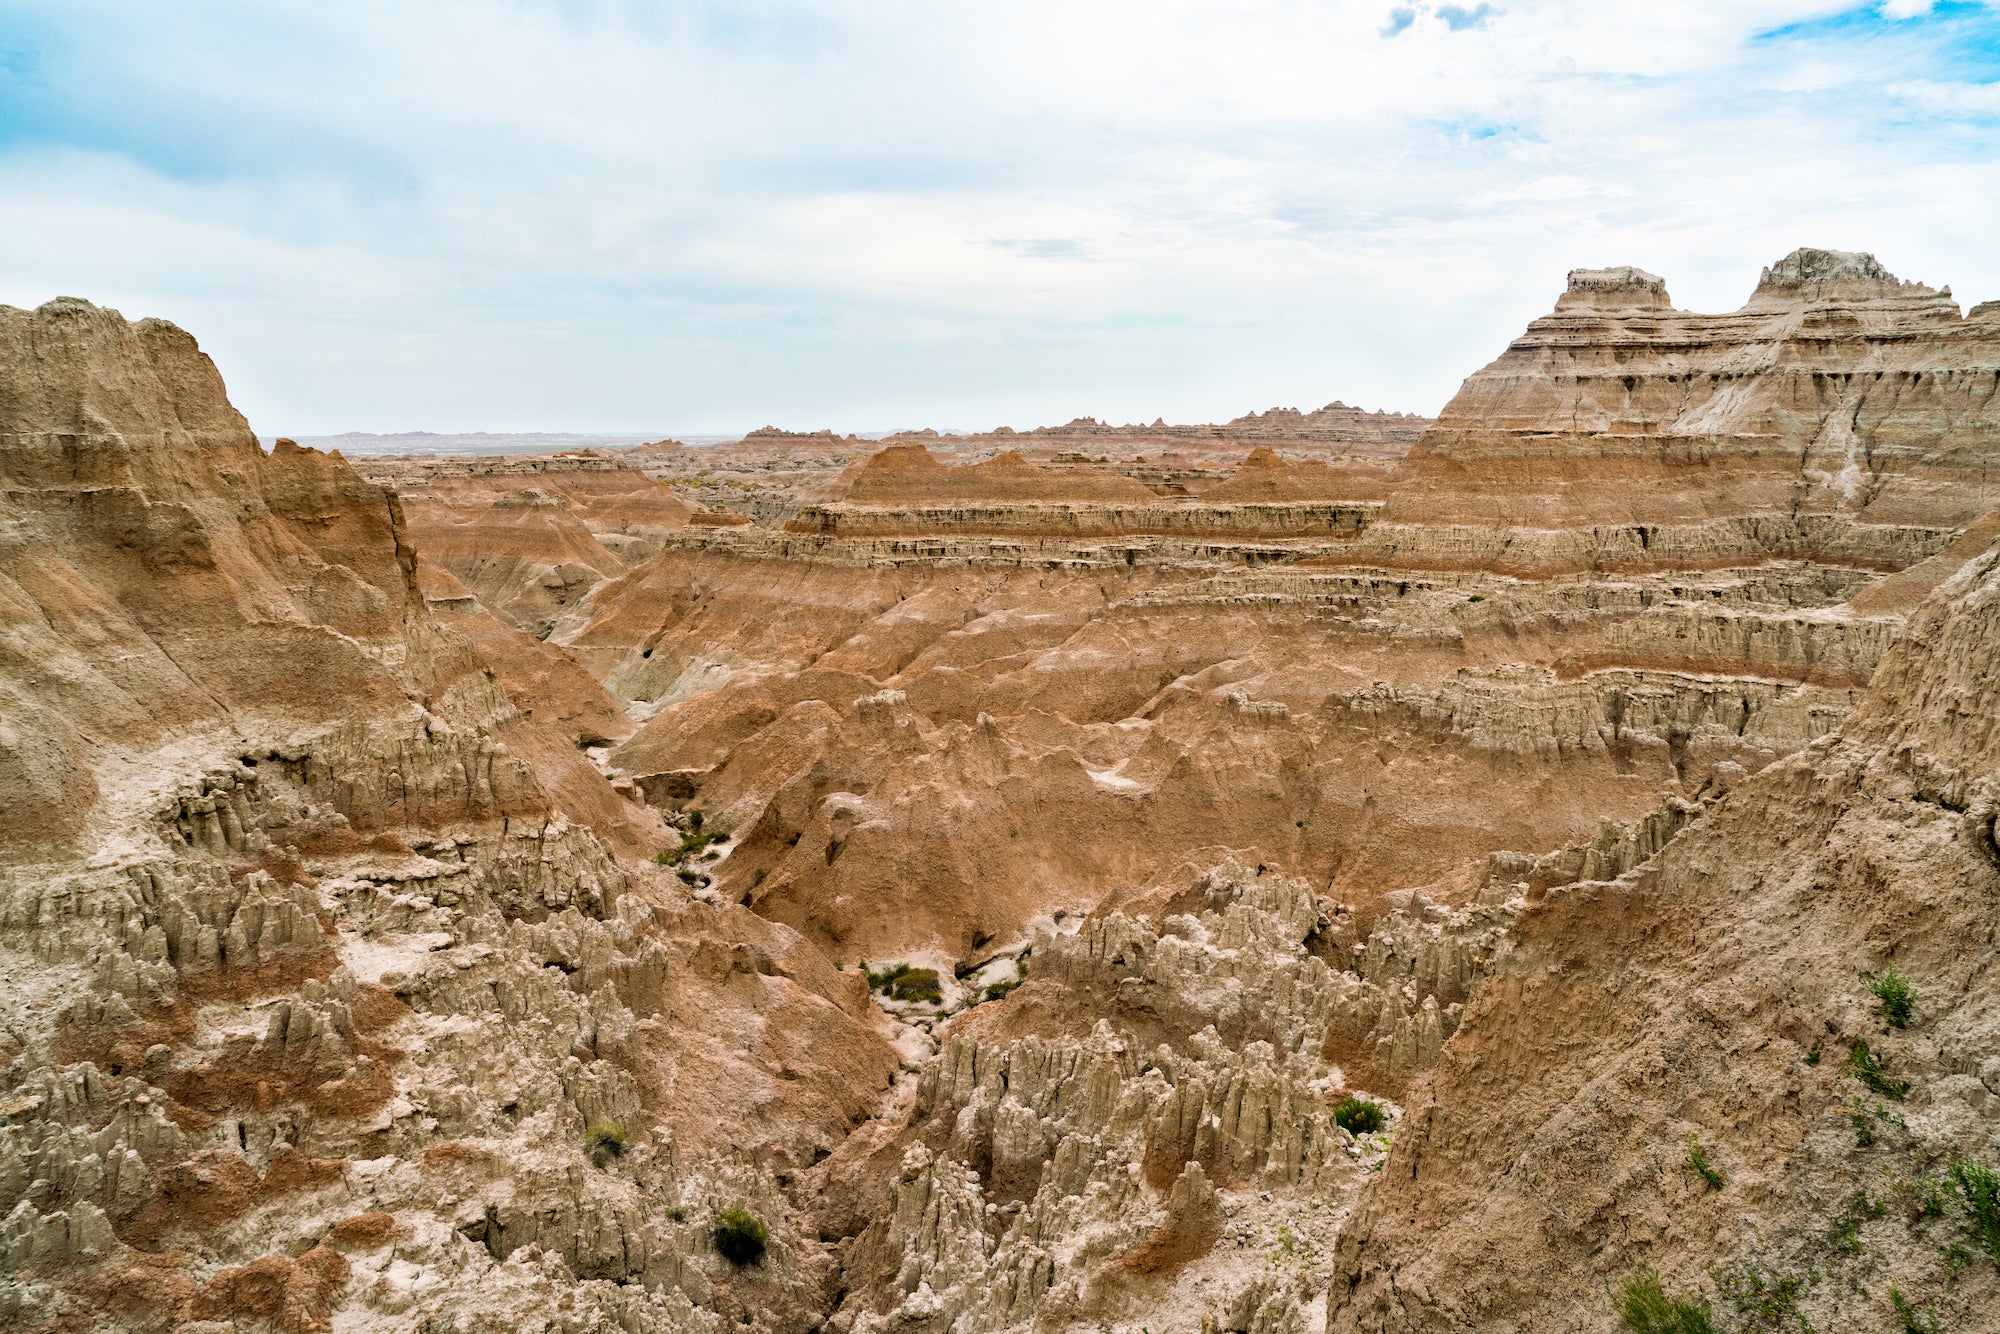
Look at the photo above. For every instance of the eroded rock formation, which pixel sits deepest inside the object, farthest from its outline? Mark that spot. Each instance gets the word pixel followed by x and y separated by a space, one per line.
pixel 1149 880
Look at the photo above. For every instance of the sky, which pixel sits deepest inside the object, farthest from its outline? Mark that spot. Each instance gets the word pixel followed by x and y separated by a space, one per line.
pixel 876 214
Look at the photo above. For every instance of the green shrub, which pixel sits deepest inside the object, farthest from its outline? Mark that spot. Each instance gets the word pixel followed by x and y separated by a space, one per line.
pixel 740 1237
pixel 1358 1116
pixel 1978 1189
pixel 900 981
pixel 1864 1066
pixel 695 842
pixel 1698 1160
pixel 688 874
pixel 694 818
pixel 1864 1126
pixel 1893 997
pixel 605 1141
pixel 1644 1308
pixel 1001 988
pixel 663 858
pixel 917 984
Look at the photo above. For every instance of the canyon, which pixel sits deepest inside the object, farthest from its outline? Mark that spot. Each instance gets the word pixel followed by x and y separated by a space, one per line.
pixel 1323 871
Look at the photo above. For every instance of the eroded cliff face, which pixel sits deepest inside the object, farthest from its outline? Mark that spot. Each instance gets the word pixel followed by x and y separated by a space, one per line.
pixel 322 958
pixel 1080 888
pixel 1836 389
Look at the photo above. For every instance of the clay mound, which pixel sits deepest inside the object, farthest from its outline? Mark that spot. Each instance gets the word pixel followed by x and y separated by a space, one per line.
pixel 912 475
pixel 1265 476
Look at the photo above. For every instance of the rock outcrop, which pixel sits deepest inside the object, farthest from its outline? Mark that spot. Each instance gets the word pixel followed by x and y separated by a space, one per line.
pixel 1164 878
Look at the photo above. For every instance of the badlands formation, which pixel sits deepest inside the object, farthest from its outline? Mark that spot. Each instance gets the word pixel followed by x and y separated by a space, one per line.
pixel 1532 870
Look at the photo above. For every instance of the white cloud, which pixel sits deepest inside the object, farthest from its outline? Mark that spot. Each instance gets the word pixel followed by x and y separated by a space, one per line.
pixel 866 213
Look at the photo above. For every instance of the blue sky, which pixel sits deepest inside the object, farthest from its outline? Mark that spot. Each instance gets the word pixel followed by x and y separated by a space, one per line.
pixel 868 214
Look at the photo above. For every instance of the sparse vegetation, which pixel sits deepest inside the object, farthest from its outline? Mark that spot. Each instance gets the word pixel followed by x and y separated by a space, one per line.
pixel 605 1142
pixel 1812 1057
pixel 740 1237
pixel 1865 1066
pixel 1977 1187
pixel 1860 1209
pixel 1927 1199
pixel 1914 1321
pixel 695 841
pixel 1358 1116
pixel 1762 1301
pixel 1893 997
pixel 1698 1160
pixel 902 982
pixel 1864 1126
pixel 1001 988
pixel 1644 1307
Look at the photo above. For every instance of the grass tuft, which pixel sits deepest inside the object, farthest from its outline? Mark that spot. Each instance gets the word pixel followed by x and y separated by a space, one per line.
pixel 1644 1308
pixel 1698 1160
pixel 1914 1321
pixel 1358 1116
pixel 740 1237
pixel 1763 1301
pixel 1865 1066
pixel 605 1141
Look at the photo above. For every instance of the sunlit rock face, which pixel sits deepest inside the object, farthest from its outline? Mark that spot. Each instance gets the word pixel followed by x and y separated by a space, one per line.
pixel 1275 876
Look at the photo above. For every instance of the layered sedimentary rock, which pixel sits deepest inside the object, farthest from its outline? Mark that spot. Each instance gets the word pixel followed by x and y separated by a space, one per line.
pixel 1055 889
pixel 1835 389
pixel 322 958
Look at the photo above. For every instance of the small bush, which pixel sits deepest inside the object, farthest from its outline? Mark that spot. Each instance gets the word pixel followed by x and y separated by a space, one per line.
pixel 740 1237
pixel 605 1141
pixel 696 842
pixel 1644 1308
pixel 1866 1067
pixel 1977 1187
pixel 1358 1116
pixel 677 1212
pixel 917 984
pixel 900 981
pixel 1864 1126
pixel 688 874
pixel 694 818
pixel 1812 1057
pixel 1893 997
pixel 663 858
pixel 1001 988
pixel 1698 1160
